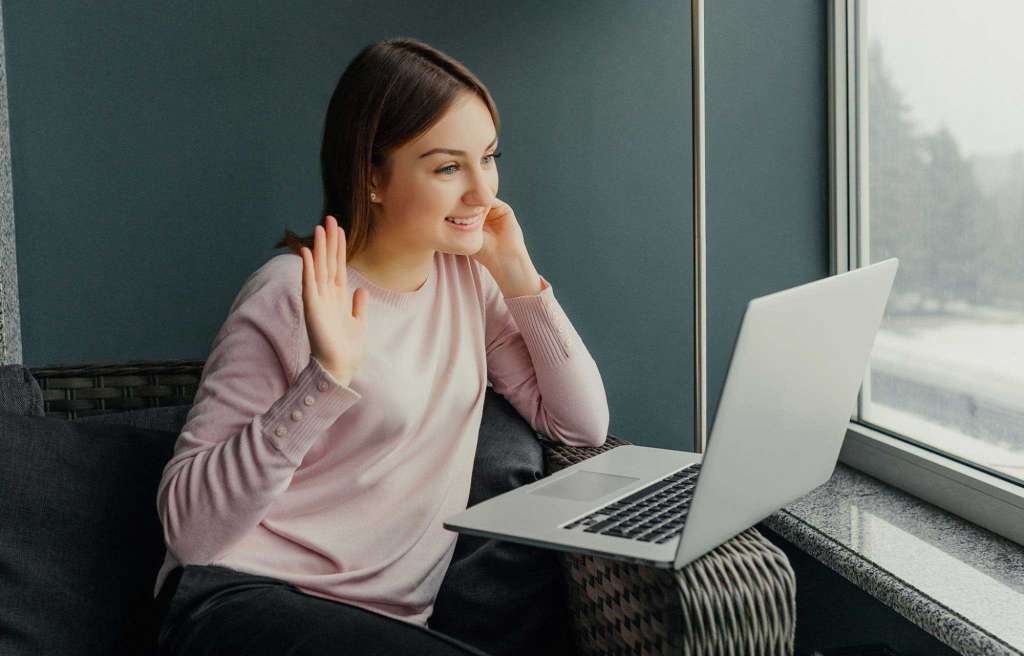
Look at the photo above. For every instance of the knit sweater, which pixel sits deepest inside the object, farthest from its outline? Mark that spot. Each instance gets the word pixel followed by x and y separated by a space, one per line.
pixel 341 490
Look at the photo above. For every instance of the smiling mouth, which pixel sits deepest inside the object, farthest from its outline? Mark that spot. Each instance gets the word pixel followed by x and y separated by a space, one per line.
pixel 463 222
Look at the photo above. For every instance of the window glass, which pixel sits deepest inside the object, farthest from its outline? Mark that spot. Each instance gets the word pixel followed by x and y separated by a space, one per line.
pixel 942 131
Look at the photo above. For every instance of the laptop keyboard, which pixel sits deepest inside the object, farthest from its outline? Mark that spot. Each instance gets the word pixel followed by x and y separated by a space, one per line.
pixel 655 513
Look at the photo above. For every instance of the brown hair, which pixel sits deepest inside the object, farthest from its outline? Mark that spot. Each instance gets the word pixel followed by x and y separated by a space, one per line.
pixel 390 93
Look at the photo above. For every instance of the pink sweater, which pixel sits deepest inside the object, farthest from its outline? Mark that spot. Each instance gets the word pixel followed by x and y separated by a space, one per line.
pixel 341 491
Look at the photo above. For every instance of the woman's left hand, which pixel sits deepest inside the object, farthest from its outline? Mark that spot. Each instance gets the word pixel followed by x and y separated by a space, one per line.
pixel 503 238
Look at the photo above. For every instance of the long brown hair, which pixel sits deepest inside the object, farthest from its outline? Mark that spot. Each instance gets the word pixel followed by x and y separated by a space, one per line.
pixel 390 93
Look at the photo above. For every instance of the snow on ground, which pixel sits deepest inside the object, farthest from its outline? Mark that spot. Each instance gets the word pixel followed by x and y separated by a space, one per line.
pixel 957 354
pixel 963 354
pixel 1005 458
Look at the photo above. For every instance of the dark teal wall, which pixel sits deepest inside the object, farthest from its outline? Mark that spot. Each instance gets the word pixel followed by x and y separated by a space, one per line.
pixel 766 92
pixel 158 154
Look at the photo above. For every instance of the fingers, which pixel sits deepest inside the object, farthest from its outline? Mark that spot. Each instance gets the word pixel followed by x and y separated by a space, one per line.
pixel 331 261
pixel 359 303
pixel 326 261
pixel 341 273
pixel 308 281
pixel 319 255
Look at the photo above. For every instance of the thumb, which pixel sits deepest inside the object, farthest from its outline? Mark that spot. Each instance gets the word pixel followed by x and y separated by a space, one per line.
pixel 359 303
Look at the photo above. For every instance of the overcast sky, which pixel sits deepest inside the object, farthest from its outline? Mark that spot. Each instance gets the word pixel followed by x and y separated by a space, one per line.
pixel 958 62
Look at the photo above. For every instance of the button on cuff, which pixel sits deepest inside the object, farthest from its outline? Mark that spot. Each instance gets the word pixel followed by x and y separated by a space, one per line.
pixel 299 418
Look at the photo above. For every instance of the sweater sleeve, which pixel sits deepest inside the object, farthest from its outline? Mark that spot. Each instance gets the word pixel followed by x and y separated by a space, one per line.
pixel 256 413
pixel 537 360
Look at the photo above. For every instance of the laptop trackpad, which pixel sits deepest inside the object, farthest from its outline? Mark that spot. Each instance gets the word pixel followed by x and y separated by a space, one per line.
pixel 584 486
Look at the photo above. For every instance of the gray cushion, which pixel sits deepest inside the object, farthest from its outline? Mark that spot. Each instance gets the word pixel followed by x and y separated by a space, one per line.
pixel 81 541
pixel 20 394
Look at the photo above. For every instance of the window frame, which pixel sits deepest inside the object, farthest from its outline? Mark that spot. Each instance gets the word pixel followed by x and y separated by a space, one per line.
pixel 978 496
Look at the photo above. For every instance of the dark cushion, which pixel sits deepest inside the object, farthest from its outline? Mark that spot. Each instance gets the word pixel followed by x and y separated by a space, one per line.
pixel 503 597
pixel 81 542
pixel 20 394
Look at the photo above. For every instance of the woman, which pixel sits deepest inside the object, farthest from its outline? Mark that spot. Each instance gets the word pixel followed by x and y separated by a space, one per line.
pixel 332 433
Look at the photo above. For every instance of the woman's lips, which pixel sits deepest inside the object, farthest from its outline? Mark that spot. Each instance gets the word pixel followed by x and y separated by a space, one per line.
pixel 469 226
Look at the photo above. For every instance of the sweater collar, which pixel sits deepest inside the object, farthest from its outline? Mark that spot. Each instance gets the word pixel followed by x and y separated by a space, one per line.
pixel 392 298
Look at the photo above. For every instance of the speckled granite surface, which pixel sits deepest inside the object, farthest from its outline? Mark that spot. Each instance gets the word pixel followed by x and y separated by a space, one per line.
pixel 10 321
pixel 957 581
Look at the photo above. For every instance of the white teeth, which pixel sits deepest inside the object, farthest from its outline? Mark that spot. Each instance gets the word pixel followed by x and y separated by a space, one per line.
pixel 461 221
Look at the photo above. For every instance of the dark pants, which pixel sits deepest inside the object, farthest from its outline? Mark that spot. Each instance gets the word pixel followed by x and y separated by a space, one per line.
pixel 208 609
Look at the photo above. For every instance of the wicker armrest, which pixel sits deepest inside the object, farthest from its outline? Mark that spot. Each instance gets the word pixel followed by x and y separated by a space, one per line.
pixel 72 391
pixel 740 598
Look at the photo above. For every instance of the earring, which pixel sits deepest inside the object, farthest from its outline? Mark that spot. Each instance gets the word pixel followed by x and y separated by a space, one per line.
pixel 373 196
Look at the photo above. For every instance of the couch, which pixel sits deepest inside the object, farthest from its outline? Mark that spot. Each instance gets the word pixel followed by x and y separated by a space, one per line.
pixel 82 449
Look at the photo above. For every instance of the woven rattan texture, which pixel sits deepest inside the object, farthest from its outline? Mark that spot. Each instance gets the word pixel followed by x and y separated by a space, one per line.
pixel 72 391
pixel 739 599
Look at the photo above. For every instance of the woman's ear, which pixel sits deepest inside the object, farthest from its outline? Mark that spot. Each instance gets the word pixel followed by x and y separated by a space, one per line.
pixel 379 175
pixel 374 192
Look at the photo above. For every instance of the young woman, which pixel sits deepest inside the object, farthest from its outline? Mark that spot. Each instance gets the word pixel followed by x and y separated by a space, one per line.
pixel 333 431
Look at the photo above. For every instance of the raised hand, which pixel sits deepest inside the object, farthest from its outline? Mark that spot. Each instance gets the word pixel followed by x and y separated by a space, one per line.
pixel 335 323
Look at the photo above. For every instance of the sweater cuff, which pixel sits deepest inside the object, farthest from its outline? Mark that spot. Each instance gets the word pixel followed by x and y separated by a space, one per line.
pixel 546 329
pixel 312 404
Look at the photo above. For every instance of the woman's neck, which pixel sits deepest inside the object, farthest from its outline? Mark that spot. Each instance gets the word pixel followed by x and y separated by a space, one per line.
pixel 393 273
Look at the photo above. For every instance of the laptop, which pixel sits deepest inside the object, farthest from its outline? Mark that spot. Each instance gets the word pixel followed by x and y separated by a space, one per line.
pixel 797 365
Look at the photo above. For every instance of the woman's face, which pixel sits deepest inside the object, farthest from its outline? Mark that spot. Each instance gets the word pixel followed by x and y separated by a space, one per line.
pixel 427 184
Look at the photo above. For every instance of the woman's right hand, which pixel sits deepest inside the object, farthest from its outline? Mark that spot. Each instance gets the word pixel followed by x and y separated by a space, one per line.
pixel 335 323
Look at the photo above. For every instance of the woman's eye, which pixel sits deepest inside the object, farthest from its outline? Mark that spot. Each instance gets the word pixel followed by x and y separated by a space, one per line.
pixel 492 156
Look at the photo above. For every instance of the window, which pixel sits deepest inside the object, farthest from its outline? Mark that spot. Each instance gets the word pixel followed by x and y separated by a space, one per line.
pixel 928 153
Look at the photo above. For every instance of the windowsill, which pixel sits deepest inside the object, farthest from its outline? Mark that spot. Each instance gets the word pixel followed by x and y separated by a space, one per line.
pixel 959 582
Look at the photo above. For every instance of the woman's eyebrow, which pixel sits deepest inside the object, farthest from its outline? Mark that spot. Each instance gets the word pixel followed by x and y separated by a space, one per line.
pixel 452 151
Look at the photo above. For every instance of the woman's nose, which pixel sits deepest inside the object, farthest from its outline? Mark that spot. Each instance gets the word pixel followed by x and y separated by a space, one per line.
pixel 478 199
pixel 480 194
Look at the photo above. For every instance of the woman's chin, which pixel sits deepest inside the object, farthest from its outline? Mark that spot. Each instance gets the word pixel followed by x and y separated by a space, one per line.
pixel 467 244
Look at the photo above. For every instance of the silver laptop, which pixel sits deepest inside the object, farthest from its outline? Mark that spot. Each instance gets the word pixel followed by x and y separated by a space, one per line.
pixel 792 383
